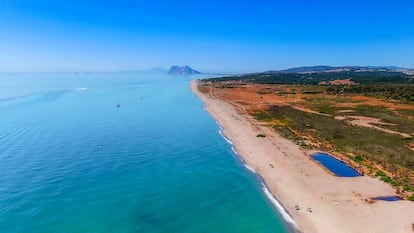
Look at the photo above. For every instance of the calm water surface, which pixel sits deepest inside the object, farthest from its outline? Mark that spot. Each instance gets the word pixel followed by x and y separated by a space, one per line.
pixel 71 161
pixel 336 166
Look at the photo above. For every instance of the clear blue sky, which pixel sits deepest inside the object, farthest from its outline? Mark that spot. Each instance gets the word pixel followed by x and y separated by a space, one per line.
pixel 228 36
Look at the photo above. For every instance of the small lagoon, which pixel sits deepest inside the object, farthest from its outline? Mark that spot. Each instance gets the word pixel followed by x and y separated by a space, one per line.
pixel 334 165
pixel 387 198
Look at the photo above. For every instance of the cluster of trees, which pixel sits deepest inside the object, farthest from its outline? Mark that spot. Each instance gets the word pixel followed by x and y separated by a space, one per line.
pixel 371 77
pixel 395 91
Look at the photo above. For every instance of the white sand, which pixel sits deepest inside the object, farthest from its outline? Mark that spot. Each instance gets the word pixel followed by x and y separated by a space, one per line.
pixel 338 204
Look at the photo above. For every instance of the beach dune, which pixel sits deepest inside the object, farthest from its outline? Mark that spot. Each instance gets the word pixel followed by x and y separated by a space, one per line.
pixel 317 200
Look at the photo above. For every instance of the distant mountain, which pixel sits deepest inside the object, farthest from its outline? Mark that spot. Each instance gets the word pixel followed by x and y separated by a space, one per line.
pixel 388 67
pixel 308 69
pixel 182 70
pixel 332 69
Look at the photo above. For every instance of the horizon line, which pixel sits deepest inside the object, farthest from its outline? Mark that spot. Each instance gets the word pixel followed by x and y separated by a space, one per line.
pixel 80 71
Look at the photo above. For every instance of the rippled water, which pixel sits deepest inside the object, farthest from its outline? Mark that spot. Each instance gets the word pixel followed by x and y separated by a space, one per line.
pixel 71 161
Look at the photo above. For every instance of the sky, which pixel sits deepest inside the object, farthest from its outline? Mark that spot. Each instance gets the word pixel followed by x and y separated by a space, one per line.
pixel 210 36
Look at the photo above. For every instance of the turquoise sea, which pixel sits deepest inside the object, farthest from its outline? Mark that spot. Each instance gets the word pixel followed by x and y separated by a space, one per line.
pixel 71 161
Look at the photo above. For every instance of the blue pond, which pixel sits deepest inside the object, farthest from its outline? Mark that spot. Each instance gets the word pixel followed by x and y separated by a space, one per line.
pixel 388 198
pixel 336 166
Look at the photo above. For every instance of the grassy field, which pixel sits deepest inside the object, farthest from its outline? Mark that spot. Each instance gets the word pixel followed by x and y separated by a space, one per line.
pixel 300 126
pixel 368 147
pixel 398 120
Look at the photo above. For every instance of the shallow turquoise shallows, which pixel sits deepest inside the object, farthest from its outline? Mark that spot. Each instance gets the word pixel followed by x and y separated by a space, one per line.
pixel 72 161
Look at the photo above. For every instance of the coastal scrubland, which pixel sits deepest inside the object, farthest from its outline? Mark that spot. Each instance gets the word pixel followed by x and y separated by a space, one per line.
pixel 366 122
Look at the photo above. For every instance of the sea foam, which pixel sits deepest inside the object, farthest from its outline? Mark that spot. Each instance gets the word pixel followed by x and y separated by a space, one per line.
pixel 225 138
pixel 250 168
pixel 279 207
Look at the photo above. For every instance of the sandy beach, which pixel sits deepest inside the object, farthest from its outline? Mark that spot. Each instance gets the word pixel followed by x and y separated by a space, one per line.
pixel 317 200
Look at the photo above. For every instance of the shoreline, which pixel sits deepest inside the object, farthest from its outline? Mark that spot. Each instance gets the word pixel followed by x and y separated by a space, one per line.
pixel 316 200
pixel 291 225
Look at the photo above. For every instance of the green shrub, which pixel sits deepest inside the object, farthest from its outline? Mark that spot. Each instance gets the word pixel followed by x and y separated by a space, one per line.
pixel 358 159
pixel 408 188
pixel 380 173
